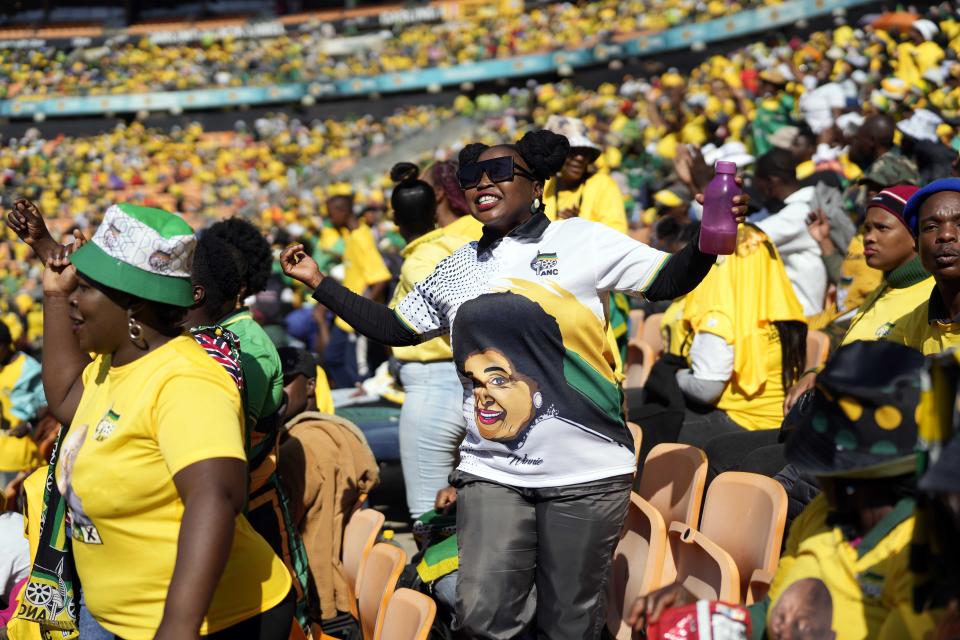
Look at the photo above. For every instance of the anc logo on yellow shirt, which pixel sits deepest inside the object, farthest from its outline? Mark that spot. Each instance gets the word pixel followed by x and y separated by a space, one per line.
pixel 106 426
pixel 545 264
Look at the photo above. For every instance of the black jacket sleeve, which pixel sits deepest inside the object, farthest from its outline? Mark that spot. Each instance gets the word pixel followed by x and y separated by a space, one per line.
pixel 371 319
pixel 682 272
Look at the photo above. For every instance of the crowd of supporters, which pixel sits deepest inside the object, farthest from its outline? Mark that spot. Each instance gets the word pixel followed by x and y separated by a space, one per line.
pixel 142 66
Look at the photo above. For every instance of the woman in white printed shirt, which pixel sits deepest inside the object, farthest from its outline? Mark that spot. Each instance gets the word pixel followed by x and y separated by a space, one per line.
pixel 546 466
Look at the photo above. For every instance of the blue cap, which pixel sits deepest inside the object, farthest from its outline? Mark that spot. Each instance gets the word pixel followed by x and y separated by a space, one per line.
pixel 911 212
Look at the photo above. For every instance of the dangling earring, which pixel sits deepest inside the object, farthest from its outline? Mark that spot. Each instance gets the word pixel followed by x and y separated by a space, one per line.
pixel 535 207
pixel 135 331
pixel 537 400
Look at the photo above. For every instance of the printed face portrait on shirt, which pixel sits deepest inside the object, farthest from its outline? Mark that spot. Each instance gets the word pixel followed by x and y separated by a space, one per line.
pixel 505 400
pixel 803 612
pixel 511 351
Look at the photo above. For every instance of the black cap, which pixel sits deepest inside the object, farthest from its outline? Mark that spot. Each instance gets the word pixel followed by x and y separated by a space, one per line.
pixel 861 422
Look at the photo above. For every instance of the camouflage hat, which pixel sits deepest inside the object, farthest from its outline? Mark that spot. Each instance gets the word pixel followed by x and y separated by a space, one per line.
pixel 892 169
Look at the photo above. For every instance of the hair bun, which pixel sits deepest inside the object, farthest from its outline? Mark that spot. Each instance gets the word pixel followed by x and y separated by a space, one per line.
pixel 544 151
pixel 404 172
pixel 470 153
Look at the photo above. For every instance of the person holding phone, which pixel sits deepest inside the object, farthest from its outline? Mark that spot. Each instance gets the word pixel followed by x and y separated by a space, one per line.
pixel 547 464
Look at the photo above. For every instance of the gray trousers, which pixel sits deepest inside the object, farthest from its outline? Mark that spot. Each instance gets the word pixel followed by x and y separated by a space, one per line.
pixel 535 562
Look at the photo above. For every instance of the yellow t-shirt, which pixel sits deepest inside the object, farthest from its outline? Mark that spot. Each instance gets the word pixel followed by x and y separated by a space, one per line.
pixel 19 454
pixel 879 312
pixel 675 329
pixel 421 258
pixel 865 582
pixel 915 330
pixel 599 200
pixel 136 427
pixel 363 265
pixel 763 409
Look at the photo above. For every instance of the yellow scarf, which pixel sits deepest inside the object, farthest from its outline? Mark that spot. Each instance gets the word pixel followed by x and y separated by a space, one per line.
pixel 740 298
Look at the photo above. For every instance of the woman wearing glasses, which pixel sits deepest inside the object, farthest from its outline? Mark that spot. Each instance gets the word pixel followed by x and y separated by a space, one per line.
pixel 540 504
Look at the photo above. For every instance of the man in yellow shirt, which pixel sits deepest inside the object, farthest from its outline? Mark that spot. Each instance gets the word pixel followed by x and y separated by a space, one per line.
pixel 934 215
pixel 364 273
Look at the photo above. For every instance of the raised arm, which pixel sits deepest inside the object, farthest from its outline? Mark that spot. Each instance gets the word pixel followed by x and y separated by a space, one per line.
pixel 26 220
pixel 63 359
pixel 371 319
pixel 624 264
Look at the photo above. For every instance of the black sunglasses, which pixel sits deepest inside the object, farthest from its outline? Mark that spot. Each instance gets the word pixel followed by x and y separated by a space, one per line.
pixel 497 169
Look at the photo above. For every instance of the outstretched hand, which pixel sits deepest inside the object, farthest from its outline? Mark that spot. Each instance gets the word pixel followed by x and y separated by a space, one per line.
pixel 26 220
pixel 298 265
pixel 740 203
pixel 60 276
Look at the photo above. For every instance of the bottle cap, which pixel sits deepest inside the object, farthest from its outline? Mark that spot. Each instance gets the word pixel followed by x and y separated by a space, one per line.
pixel 724 166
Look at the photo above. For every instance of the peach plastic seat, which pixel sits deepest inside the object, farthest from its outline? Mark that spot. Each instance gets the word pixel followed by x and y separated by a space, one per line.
pixel 358 538
pixel 378 580
pixel 818 348
pixel 637 318
pixel 651 333
pixel 640 359
pixel 409 616
pixel 702 566
pixel 734 554
pixel 637 440
pixel 745 513
pixel 673 479
pixel 637 563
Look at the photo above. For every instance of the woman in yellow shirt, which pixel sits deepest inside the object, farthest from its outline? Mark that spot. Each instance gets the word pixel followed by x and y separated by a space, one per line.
pixel 431 420
pixel 153 480
pixel 749 345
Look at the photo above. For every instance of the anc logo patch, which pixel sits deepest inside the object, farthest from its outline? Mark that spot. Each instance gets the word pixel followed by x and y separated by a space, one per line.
pixel 545 264
pixel 106 426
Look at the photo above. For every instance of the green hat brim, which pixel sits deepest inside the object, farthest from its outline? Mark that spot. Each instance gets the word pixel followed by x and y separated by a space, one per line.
pixel 93 262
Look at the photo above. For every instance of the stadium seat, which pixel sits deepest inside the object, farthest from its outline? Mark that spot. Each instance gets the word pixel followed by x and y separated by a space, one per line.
pixel 745 514
pixel 651 333
pixel 673 480
pixel 637 434
pixel 637 563
pixel 643 352
pixel 640 359
pixel 359 537
pixel 818 348
pixel 378 580
pixel 702 566
pixel 409 616
pixel 637 317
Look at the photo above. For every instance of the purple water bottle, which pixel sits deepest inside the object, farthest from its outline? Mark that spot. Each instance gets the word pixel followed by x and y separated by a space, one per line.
pixel 718 229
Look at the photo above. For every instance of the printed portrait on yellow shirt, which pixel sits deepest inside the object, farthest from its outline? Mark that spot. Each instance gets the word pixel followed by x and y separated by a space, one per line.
pixel 81 526
pixel 803 612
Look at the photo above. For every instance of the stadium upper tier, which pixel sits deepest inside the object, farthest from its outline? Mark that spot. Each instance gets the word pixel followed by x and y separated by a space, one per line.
pixel 143 65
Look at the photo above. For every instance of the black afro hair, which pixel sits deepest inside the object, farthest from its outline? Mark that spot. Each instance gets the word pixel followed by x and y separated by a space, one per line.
pixel 253 250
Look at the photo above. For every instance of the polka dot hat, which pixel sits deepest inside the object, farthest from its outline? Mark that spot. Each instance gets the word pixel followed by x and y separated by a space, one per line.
pixel 861 421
